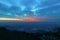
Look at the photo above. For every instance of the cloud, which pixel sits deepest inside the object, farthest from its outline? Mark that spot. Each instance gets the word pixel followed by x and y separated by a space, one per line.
pixel 48 8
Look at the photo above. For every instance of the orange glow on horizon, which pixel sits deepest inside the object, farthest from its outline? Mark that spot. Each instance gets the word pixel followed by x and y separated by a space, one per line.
pixel 27 19
pixel 21 19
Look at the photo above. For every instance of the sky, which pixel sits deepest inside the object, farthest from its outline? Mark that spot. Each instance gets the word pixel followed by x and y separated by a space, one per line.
pixel 29 8
pixel 29 11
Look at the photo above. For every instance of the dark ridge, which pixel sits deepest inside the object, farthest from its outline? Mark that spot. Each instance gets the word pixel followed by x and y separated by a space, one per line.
pixel 19 35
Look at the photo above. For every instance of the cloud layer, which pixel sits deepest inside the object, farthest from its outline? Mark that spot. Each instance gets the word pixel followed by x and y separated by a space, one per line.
pixel 25 8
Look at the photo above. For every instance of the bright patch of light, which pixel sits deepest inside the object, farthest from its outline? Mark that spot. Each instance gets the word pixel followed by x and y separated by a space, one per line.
pixel 17 16
pixel 8 19
pixel 33 10
pixel 9 13
pixel 25 14
pixel 22 7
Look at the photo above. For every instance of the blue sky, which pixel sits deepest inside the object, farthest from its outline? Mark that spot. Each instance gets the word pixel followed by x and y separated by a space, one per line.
pixel 27 8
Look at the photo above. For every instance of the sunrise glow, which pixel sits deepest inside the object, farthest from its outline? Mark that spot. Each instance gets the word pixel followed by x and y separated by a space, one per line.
pixel 22 19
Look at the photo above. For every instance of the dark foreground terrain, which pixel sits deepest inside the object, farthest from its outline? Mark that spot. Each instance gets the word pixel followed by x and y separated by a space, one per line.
pixel 19 35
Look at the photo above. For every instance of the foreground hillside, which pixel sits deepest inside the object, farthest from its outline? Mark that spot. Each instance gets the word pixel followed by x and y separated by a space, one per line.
pixel 20 35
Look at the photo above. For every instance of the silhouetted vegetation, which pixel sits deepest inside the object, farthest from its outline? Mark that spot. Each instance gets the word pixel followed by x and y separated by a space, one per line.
pixel 19 35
